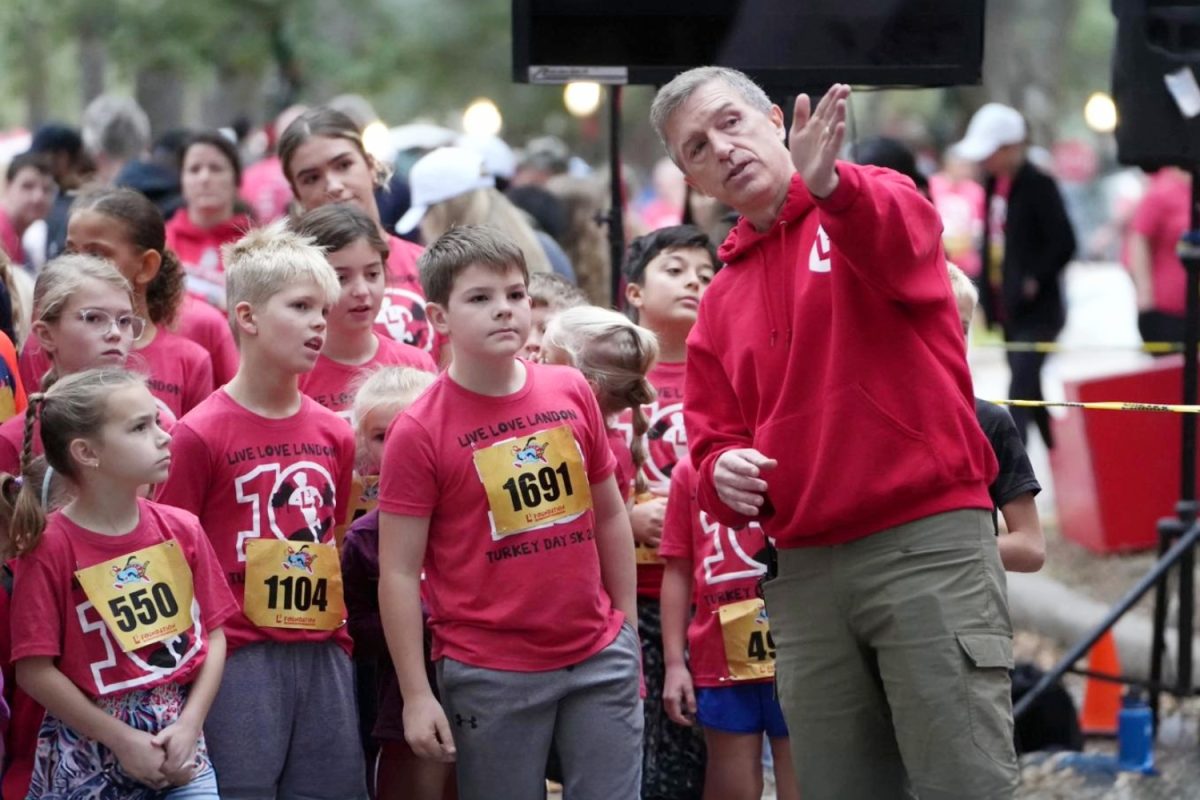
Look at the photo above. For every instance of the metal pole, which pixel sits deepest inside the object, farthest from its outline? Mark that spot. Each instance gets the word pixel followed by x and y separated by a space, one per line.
pixel 616 215
pixel 1187 490
pixel 1131 597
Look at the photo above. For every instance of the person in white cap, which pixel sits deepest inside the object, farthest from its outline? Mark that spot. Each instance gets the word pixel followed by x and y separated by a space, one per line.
pixel 1027 242
pixel 451 186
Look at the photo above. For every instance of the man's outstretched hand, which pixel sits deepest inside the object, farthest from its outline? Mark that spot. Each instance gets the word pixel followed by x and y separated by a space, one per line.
pixel 817 136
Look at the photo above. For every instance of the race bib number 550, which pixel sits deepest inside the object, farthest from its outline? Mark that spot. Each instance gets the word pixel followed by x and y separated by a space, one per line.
pixel 143 597
pixel 533 481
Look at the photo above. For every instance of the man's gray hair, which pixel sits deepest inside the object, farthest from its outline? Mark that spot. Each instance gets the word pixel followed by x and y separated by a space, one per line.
pixel 115 126
pixel 674 94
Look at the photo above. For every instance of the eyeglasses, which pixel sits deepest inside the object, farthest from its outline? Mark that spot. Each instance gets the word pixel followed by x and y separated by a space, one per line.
pixel 102 322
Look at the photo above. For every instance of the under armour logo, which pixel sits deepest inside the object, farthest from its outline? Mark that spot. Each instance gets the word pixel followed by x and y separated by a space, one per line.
pixel 460 720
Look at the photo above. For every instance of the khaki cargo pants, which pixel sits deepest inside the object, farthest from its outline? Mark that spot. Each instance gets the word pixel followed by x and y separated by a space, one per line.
pixel 893 663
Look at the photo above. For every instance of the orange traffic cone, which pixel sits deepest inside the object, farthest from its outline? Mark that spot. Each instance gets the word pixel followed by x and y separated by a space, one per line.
pixel 1101 699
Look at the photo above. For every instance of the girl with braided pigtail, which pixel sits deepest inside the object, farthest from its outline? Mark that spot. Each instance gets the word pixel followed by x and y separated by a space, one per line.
pixel 117 604
pixel 614 354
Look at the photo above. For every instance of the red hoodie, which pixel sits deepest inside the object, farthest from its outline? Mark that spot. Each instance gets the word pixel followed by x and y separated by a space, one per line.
pixel 841 356
pixel 200 251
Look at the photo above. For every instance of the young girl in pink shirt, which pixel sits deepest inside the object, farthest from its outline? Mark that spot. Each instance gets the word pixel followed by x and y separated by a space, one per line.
pixel 118 602
pixel 357 252
pixel 398 773
pixel 83 318
pixel 124 227
pixel 614 354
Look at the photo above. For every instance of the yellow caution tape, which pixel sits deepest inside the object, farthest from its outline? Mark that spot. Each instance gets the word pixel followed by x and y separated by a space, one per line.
pixel 1055 347
pixel 1172 409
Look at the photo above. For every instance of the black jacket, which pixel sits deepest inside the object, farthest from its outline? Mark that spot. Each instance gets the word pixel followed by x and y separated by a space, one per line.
pixel 1038 244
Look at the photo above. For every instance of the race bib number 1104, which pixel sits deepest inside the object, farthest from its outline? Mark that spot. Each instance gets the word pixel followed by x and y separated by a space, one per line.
pixel 293 585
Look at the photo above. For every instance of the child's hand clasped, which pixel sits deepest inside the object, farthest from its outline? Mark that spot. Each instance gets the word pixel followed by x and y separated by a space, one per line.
pixel 179 741
pixel 142 759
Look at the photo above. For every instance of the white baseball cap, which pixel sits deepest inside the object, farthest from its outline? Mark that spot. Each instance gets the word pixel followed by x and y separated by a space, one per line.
pixel 440 175
pixel 993 126
pixel 498 157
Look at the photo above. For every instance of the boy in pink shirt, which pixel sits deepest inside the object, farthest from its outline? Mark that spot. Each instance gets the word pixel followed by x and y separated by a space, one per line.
pixel 268 472
pixel 498 482
pixel 721 661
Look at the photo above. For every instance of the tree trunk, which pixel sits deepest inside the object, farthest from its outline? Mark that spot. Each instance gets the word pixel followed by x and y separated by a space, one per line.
pixel 160 92
pixel 236 94
pixel 93 61
pixel 36 73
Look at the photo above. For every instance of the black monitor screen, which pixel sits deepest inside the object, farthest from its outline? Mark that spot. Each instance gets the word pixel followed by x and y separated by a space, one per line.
pixel 779 42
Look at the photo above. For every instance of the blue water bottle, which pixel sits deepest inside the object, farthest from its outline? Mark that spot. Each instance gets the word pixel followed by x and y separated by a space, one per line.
pixel 1135 734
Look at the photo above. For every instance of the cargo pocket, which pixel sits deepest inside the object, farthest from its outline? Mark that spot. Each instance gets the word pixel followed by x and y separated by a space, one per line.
pixel 988 688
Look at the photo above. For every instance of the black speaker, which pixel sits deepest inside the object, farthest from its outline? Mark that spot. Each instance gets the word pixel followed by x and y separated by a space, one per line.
pixel 1154 38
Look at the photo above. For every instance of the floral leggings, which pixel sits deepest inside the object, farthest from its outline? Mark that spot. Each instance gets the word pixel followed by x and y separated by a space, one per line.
pixel 72 767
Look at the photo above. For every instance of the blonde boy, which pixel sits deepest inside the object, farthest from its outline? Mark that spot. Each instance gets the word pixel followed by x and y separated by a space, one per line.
pixel 550 294
pixel 498 481
pixel 268 471
pixel 1023 549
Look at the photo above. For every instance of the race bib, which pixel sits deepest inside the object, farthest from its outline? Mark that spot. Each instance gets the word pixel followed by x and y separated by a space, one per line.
pixel 144 597
pixel 364 498
pixel 294 585
pixel 533 481
pixel 749 648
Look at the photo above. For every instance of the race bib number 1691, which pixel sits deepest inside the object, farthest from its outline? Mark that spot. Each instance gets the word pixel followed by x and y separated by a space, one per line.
pixel 534 481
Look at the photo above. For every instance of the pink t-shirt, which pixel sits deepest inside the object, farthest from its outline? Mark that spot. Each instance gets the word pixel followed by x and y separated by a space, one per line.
pixel 402 316
pixel 624 467
pixel 10 242
pixel 960 205
pixel 666 443
pixel 526 601
pixel 330 381
pixel 237 470
pixel 51 615
pixel 199 250
pixel 180 372
pixel 1162 217
pixel 265 189
pixel 723 571
pixel 12 439
pixel 209 328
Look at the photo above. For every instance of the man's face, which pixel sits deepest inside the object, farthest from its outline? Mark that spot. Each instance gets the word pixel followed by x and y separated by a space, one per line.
pixel 729 150
pixel 29 195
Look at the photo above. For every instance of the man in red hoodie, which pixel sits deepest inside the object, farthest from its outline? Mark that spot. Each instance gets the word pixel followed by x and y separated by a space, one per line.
pixel 828 397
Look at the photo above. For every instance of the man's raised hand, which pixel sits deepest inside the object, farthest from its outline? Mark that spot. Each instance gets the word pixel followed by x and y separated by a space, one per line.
pixel 817 136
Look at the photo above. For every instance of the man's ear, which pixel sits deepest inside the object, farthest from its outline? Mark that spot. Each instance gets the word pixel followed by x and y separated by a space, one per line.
pixel 436 314
pixel 243 318
pixel 775 115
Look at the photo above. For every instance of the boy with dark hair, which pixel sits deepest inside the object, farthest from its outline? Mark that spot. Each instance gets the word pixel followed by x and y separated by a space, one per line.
pixel 667 272
pixel 497 485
